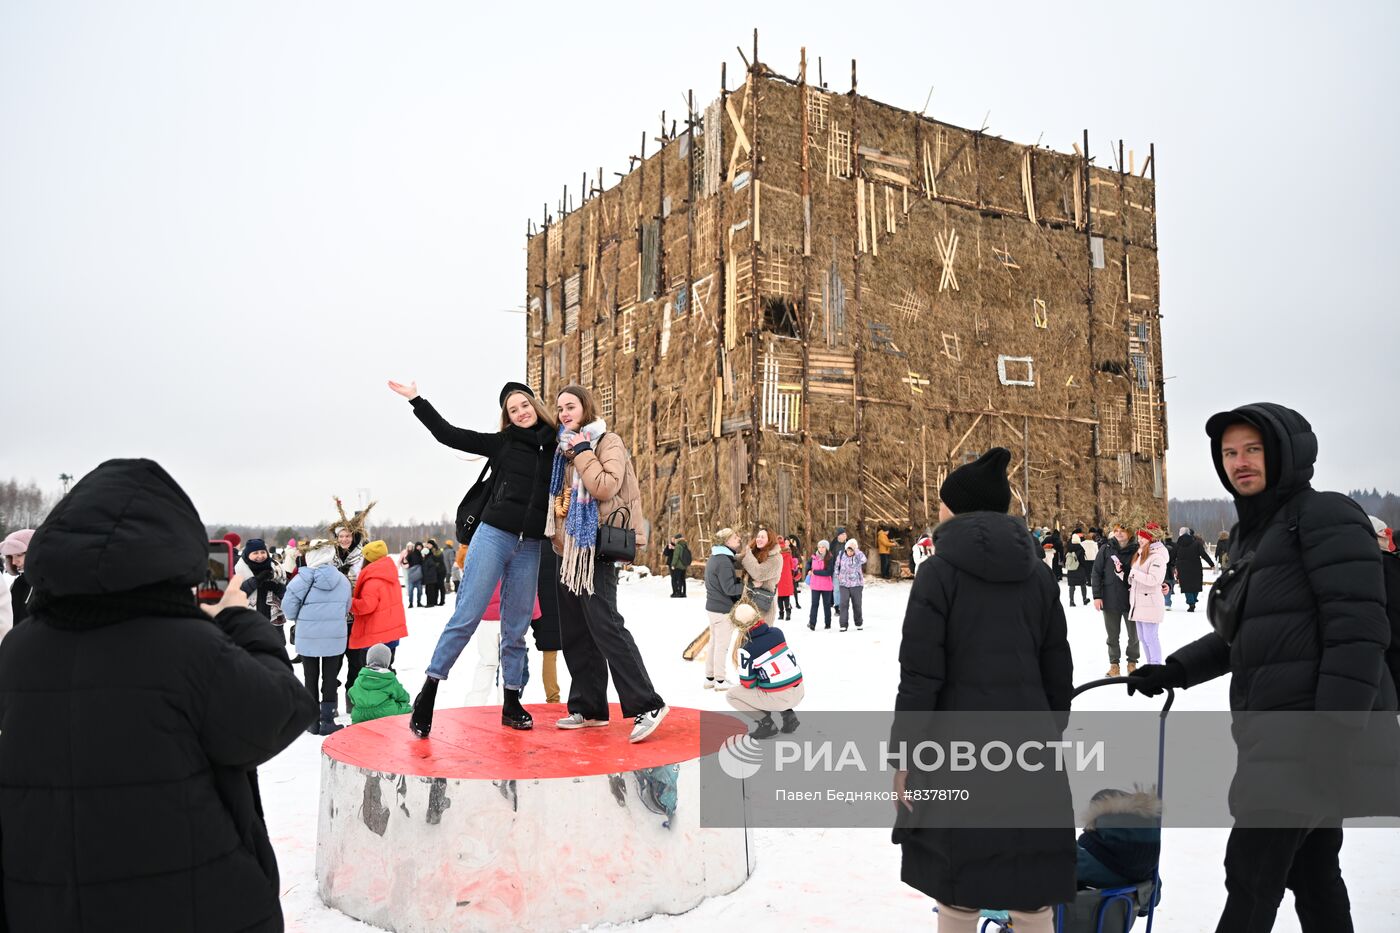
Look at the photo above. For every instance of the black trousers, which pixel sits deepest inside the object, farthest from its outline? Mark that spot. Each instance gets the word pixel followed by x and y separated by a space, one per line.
pixel 884 566
pixel 1260 863
pixel 354 663
pixel 435 596
pixel 1083 589
pixel 820 598
pixel 327 671
pixel 785 607
pixel 596 642
pixel 677 582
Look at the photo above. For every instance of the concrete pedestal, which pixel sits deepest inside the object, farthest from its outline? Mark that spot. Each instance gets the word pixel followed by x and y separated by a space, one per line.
pixel 485 828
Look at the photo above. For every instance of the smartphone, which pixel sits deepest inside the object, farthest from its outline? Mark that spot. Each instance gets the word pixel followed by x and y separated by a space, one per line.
pixel 218 570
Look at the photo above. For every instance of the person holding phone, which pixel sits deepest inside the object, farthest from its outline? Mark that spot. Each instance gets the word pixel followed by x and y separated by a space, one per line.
pixel 504 550
pixel 132 723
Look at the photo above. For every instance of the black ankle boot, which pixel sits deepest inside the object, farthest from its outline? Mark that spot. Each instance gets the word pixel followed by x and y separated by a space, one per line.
pixel 328 725
pixel 513 714
pixel 790 722
pixel 765 729
pixel 421 722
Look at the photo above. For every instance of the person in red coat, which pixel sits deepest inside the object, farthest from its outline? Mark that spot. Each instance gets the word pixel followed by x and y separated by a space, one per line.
pixel 786 581
pixel 377 607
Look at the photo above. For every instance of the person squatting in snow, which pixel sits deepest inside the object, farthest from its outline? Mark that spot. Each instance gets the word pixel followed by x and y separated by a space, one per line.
pixel 770 679
pixel 505 547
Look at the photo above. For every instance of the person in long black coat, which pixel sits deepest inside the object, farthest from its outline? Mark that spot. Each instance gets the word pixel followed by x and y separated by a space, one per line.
pixel 1190 551
pixel 984 631
pixel 131 723
pixel 1311 636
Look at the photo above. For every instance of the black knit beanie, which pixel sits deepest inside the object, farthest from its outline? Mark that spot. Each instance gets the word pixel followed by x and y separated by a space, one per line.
pixel 979 486
pixel 510 387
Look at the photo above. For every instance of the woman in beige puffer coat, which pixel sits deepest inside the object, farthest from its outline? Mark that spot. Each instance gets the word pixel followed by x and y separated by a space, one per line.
pixel 762 560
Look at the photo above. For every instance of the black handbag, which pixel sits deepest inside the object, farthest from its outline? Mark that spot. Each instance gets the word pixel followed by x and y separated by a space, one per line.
pixel 474 503
pixel 760 596
pixel 1225 604
pixel 617 542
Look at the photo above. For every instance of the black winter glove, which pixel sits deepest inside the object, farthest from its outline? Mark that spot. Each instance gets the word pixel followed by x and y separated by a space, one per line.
pixel 1152 679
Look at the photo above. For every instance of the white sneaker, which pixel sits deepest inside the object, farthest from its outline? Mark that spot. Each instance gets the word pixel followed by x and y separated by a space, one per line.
pixel 647 723
pixel 709 683
pixel 576 721
pixel 721 684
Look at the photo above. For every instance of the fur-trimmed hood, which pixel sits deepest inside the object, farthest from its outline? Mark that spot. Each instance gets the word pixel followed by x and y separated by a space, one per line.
pixel 1138 808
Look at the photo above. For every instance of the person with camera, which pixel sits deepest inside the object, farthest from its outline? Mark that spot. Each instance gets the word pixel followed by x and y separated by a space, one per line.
pixel 505 547
pixel 132 722
pixel 1310 636
pixel 594 487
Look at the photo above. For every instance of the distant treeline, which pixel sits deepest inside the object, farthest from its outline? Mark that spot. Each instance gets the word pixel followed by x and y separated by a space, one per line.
pixel 1211 516
pixel 23 506
pixel 396 536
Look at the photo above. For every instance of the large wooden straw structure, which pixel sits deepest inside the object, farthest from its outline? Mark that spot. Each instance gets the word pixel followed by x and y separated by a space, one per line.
pixel 806 307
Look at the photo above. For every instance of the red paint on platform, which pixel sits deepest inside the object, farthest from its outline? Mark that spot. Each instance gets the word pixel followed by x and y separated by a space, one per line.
pixel 470 743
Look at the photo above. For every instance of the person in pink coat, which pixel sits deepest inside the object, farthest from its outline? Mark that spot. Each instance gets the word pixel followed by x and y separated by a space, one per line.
pixel 1147 575
pixel 821 565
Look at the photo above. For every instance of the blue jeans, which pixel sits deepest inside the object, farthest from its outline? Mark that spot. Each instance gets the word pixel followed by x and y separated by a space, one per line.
pixel 415 586
pixel 495 556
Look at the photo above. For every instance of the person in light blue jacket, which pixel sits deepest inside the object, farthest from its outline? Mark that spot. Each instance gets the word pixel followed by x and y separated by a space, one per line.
pixel 317 600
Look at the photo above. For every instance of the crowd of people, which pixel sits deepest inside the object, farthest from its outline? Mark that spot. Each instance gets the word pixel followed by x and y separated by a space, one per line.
pixel 984 629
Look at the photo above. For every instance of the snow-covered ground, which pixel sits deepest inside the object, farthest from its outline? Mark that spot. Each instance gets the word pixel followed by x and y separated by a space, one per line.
pixel 837 879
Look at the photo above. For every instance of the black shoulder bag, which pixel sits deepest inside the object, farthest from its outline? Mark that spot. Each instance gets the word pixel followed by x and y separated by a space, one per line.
pixel 1225 605
pixel 617 542
pixel 474 503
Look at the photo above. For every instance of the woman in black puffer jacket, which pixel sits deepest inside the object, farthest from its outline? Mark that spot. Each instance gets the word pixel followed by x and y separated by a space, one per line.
pixel 505 548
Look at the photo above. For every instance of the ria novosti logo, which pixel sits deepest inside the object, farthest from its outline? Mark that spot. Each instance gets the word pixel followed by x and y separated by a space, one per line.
pixel 740 756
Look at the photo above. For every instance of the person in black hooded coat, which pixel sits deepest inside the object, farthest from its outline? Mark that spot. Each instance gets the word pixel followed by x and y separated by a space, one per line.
pixel 1311 637
pixel 985 631
pixel 131 723
pixel 1190 575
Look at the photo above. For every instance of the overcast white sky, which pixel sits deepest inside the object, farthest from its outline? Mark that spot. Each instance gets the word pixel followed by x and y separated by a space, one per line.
pixel 224 226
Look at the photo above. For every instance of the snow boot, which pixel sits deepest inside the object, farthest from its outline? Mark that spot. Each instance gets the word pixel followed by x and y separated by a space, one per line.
pixel 765 729
pixel 328 725
pixel 513 714
pixel 421 722
pixel 1132 666
pixel 790 722
pixel 1113 670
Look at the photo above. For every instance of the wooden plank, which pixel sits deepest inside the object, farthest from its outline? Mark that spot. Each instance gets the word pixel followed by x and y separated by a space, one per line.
pixel 887 176
pixel 966 434
pixel 875 155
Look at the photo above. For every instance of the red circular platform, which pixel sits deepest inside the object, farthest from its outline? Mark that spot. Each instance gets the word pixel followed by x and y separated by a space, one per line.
pixel 470 743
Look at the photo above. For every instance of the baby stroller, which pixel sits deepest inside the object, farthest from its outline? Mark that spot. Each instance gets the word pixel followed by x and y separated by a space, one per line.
pixel 1104 910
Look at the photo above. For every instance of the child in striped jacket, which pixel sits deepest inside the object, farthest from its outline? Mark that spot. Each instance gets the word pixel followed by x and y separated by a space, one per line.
pixel 770 679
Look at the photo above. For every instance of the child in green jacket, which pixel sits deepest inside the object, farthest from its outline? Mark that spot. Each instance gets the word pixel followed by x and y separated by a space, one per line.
pixel 377 692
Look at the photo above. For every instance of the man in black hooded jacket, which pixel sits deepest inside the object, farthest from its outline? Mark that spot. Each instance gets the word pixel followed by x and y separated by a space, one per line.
pixel 1311 636
pixel 131 722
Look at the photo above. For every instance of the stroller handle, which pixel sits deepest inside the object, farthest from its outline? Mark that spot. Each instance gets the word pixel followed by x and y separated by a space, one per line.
pixel 1106 681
